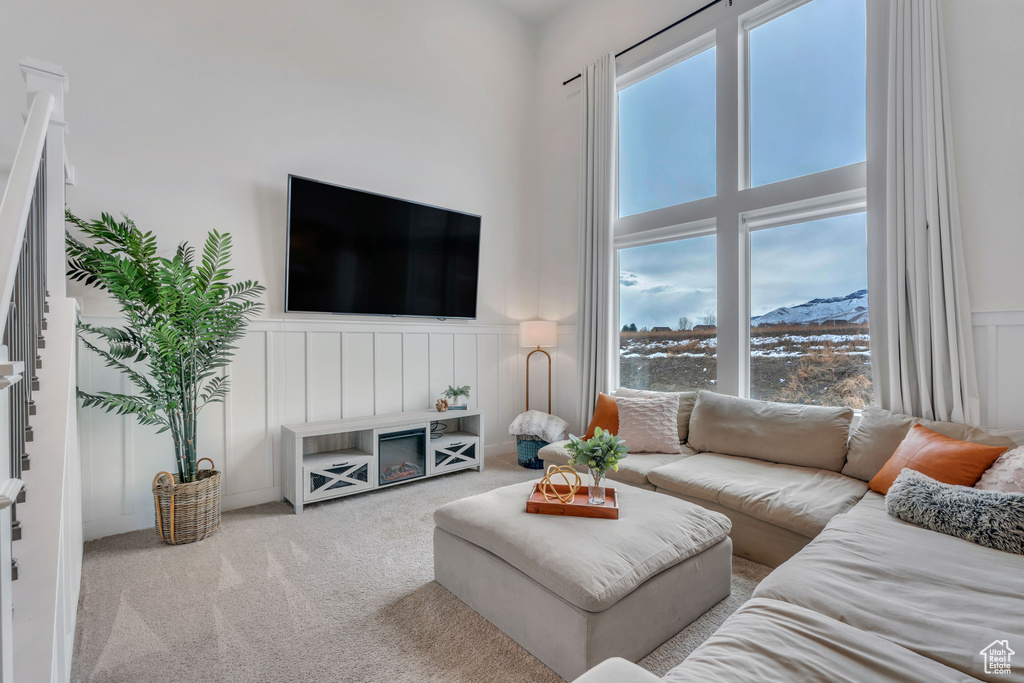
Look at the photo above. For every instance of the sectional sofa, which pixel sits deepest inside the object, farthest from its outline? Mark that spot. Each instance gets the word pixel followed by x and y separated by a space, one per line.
pixel 857 594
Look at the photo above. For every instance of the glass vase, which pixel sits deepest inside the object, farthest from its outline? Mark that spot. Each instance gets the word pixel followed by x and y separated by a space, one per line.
pixel 596 487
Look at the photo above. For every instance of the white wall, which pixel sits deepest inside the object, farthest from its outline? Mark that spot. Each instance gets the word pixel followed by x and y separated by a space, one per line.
pixel 189 116
pixel 984 54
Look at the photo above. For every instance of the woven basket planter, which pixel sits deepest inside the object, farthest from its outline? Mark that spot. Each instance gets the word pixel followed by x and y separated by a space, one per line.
pixel 526 451
pixel 186 513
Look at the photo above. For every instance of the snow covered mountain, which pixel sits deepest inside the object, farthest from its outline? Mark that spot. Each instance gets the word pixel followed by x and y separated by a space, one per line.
pixel 852 308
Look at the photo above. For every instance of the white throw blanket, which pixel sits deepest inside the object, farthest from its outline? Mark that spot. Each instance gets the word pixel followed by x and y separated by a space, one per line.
pixel 542 425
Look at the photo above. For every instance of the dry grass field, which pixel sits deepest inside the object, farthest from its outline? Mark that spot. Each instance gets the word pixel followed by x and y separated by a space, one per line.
pixel 818 364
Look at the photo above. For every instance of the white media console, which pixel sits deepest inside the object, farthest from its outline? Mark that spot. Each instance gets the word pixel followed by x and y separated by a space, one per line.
pixel 324 460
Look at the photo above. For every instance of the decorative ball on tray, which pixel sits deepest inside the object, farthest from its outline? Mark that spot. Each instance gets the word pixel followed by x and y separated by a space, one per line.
pixel 548 486
pixel 441 405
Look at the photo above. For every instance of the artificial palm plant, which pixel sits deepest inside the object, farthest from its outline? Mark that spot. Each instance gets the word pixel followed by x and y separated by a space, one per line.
pixel 180 318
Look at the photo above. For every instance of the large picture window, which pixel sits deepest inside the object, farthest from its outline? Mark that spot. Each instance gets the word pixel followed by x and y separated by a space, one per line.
pixel 740 229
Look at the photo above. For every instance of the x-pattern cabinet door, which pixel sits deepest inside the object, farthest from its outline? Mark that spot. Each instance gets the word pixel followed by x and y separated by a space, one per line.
pixel 455 453
pixel 343 477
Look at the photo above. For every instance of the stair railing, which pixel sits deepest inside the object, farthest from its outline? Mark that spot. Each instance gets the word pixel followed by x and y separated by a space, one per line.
pixel 30 242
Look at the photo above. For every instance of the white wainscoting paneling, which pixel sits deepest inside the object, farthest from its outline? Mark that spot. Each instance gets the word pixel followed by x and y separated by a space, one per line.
pixel 999 348
pixel 299 370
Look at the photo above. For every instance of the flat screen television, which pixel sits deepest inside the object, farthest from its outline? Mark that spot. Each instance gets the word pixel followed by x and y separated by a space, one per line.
pixel 360 253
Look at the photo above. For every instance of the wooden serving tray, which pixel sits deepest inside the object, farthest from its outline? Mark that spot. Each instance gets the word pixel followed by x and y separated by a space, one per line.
pixel 579 507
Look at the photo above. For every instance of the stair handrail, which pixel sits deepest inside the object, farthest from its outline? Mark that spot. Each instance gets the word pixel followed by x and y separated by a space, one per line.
pixel 17 199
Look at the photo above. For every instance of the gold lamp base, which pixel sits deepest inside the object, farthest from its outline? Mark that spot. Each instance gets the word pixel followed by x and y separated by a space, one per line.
pixel 536 350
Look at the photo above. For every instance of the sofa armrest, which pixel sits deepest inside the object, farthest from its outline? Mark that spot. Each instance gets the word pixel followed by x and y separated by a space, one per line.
pixel 617 670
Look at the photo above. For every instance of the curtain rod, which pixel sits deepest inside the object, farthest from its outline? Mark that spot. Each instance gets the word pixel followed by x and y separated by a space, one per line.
pixel 655 35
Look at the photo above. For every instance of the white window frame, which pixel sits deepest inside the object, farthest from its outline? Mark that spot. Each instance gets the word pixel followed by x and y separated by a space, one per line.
pixel 737 208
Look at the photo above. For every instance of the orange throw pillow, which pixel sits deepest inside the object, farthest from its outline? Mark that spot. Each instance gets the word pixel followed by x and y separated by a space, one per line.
pixel 606 416
pixel 938 456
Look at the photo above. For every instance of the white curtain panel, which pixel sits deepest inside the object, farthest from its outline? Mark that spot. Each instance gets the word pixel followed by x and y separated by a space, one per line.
pixel 923 346
pixel 597 348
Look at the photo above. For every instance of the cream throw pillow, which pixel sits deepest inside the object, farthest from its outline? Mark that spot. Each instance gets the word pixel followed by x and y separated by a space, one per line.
pixel 1006 473
pixel 649 425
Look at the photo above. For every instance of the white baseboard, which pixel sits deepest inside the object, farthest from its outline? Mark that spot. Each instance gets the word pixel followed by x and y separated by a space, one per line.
pixel 250 498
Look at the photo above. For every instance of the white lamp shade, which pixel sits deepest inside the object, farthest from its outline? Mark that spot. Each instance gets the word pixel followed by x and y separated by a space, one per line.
pixel 534 333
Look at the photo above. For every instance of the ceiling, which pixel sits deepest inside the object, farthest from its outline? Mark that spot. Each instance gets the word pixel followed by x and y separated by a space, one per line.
pixel 535 11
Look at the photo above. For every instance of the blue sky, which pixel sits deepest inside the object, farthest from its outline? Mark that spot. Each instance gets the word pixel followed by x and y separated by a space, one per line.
pixel 807 98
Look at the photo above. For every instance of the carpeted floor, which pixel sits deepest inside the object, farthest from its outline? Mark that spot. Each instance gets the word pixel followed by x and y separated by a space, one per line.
pixel 343 592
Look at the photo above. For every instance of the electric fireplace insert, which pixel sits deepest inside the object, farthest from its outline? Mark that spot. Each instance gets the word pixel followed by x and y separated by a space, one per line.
pixel 402 455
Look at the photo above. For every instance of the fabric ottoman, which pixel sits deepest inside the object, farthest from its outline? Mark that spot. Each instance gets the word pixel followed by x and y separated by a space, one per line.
pixel 574 591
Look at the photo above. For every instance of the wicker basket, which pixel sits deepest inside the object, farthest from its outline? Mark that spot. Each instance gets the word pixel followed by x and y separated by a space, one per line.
pixel 526 450
pixel 186 513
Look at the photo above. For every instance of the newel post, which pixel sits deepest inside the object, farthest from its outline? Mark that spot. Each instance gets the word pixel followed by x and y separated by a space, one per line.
pixel 42 76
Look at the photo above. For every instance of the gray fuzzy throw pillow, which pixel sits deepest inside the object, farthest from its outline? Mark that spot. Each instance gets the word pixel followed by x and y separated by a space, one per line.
pixel 989 518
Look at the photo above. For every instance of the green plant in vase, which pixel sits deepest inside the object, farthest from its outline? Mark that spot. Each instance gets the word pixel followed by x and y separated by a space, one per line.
pixel 598 454
pixel 459 396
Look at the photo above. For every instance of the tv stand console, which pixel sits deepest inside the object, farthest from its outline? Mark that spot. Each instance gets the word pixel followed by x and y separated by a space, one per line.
pixel 335 458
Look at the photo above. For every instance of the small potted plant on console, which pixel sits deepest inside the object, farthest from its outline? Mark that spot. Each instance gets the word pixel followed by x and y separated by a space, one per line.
pixel 458 397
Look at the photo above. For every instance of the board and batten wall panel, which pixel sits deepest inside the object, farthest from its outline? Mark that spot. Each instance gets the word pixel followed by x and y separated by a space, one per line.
pixel 296 371
pixel 999 349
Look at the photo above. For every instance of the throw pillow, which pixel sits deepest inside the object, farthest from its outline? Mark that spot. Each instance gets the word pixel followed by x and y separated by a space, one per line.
pixel 1006 473
pixel 940 457
pixel 606 416
pixel 990 518
pixel 648 425
pixel 687 399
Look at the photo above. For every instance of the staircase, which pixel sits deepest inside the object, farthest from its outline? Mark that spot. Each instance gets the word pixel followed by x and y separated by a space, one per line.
pixel 40 488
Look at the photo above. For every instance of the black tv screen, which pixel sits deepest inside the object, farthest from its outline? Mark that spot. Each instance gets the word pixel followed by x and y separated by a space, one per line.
pixel 359 253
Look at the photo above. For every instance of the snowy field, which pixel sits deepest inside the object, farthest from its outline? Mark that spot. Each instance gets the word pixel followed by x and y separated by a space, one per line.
pixel 793 363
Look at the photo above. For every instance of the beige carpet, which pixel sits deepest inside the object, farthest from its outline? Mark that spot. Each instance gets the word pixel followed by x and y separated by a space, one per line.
pixel 343 592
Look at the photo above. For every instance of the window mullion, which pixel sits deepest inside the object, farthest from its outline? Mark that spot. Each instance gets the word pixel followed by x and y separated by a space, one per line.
pixel 733 320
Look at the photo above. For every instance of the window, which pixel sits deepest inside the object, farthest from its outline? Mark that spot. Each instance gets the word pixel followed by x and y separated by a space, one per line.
pixel 755 285
pixel 807 91
pixel 667 137
pixel 667 307
pixel 809 323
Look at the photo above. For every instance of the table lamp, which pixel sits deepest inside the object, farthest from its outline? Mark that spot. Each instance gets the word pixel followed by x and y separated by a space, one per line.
pixel 538 333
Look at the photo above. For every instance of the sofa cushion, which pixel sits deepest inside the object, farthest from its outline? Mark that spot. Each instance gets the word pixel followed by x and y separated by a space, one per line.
pixel 653 533
pixel 800 499
pixel 950 461
pixel 774 642
pixel 939 596
pixel 632 470
pixel 880 432
pixel 617 670
pixel 687 399
pixel 808 436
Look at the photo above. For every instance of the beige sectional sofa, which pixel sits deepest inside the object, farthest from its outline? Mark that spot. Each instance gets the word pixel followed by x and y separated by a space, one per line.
pixel 773 469
pixel 870 598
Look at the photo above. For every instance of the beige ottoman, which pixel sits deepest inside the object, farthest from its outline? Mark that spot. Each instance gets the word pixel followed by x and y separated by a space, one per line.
pixel 574 591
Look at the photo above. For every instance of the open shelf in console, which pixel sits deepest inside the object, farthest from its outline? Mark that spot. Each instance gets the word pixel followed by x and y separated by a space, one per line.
pixel 323 460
